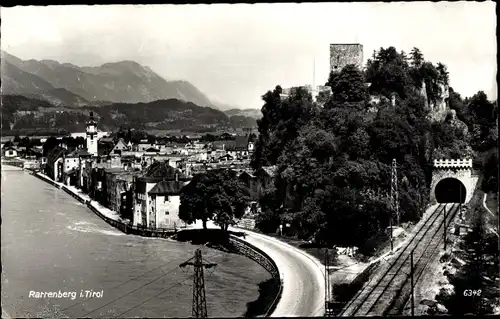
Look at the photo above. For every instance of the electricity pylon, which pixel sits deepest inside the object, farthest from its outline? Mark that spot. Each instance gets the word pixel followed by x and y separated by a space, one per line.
pixel 199 300
pixel 394 191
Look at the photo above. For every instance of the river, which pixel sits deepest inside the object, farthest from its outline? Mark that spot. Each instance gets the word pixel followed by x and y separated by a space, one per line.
pixel 52 243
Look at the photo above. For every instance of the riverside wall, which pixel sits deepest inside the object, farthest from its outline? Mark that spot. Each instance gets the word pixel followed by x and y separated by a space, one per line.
pixel 241 246
pixel 259 256
pixel 124 227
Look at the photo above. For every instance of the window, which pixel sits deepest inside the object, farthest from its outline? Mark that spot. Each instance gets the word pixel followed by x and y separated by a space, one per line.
pixel 166 199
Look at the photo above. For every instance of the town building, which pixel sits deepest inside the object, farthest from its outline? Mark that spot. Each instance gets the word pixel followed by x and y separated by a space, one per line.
pixel 258 181
pixel 91 136
pixel 10 151
pixel 119 191
pixel 55 163
pixel 73 165
pixel 315 91
pixel 120 147
pixel 157 196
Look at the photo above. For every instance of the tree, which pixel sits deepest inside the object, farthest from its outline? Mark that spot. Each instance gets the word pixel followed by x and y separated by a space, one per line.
pixel 8 144
pixel 480 254
pixel 490 169
pixel 216 195
pixel 323 97
pixel 252 137
pixel 482 110
pixel 388 73
pixel 334 163
pixel 456 103
pixel 266 125
pixel 80 141
pixel 24 142
pixel 280 123
pixel 269 218
pixel 348 86
pixel 49 145
pixel 431 77
pixel 444 75
pixel 483 115
pixel 416 58
pixel 208 138
pixel 151 139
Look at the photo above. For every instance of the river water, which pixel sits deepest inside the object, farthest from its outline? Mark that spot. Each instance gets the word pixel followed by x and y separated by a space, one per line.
pixel 52 243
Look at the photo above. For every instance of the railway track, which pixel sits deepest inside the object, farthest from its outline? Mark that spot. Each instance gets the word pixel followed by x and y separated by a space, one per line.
pixel 403 295
pixel 389 284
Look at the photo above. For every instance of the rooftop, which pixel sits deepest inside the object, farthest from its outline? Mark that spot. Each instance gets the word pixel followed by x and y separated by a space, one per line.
pixel 159 171
pixel 167 188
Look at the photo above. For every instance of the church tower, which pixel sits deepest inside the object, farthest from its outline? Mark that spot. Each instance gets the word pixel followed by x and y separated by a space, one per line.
pixel 92 135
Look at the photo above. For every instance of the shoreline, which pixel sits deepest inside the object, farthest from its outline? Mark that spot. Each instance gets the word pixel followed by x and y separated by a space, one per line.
pixel 113 219
pixel 109 216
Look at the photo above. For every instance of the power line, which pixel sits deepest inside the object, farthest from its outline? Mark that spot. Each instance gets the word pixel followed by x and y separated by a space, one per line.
pixel 394 190
pixel 199 299
pixel 147 272
pixel 142 286
pixel 158 278
pixel 79 303
pixel 161 292
pixel 209 266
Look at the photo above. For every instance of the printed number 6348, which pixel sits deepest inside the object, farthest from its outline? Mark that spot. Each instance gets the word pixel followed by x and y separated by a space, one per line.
pixel 471 292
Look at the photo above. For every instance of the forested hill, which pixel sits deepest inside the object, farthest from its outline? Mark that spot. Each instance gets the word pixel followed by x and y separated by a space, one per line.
pixel 21 113
pixel 334 163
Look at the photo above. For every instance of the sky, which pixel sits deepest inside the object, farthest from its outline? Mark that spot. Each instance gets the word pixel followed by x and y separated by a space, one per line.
pixel 235 53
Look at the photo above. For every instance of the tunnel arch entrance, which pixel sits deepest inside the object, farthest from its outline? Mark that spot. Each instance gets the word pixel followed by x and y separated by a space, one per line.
pixel 450 190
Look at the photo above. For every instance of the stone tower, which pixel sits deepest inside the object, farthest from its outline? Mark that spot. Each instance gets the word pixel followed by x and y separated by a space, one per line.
pixel 344 54
pixel 92 135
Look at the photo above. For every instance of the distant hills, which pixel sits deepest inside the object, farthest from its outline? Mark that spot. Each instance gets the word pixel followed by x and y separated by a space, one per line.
pixel 46 93
pixel 23 114
pixel 252 113
pixel 68 84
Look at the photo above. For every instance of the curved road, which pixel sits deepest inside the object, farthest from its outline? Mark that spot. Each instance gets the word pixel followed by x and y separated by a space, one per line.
pixel 302 275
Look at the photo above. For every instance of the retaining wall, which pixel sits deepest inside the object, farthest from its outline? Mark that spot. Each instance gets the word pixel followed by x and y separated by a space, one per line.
pixel 246 223
pixel 260 257
pixel 126 228
pixel 243 247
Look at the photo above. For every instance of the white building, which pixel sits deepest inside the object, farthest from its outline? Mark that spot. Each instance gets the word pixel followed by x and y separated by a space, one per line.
pixel 157 199
pixel 91 135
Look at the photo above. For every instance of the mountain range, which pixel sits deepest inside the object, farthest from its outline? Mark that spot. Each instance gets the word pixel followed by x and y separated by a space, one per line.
pixel 120 93
pixel 69 85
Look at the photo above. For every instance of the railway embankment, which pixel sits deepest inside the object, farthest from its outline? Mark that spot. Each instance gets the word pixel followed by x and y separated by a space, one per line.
pixel 471 264
pixel 387 291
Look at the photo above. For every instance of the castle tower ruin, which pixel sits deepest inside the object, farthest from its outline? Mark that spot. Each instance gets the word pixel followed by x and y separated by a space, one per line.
pixel 344 54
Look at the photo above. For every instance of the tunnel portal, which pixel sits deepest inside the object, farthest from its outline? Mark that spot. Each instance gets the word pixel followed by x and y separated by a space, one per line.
pixel 450 190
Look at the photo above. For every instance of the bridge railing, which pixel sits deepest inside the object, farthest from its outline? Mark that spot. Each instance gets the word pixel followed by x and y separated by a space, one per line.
pixel 465 163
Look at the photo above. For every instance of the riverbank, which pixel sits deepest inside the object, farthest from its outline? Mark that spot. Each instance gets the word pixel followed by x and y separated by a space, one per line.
pixel 52 242
pixel 109 216
pixel 269 290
